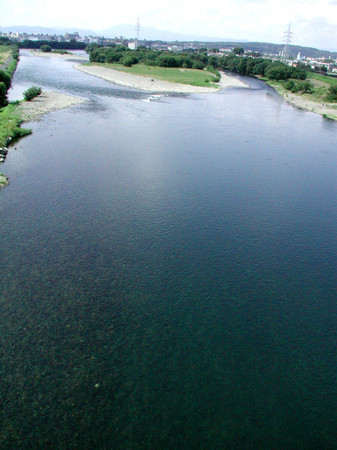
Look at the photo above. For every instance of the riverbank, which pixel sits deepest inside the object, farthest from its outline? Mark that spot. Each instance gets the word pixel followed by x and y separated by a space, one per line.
pixel 59 55
pixel 328 110
pixel 12 116
pixel 48 101
pixel 148 83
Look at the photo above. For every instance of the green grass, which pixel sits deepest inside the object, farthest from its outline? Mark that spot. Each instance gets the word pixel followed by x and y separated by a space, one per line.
pixel 5 52
pixel 10 122
pixel 331 81
pixel 174 75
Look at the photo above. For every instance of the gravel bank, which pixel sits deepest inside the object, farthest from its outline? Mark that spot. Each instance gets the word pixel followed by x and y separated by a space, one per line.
pixel 72 56
pixel 226 81
pixel 141 82
pixel 46 102
pixel 149 84
pixel 328 109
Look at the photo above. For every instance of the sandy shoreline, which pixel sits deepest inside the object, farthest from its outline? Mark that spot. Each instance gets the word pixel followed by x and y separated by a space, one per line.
pixel 46 102
pixel 59 55
pixel 328 109
pixel 145 83
pixel 302 102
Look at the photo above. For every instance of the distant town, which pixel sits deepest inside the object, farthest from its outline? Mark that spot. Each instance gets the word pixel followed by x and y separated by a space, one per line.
pixel 325 63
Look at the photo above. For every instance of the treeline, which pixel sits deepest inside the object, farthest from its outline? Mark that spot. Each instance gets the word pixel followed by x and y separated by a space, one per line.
pixel 71 45
pixel 6 76
pixel 196 60
pixel 272 70
pixel 275 49
pixel 121 54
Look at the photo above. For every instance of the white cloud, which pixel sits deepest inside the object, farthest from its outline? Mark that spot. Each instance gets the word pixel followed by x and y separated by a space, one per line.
pixel 262 20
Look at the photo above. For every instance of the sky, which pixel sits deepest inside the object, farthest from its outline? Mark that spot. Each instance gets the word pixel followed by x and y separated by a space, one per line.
pixel 313 22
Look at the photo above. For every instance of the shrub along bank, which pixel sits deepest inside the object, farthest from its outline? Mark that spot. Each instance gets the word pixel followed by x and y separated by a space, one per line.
pixel 6 73
pixel 10 119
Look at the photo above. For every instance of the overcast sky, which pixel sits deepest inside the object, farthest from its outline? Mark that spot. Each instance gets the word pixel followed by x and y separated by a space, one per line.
pixel 313 22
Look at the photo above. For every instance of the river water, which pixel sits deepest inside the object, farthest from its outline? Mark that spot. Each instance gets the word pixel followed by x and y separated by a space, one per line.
pixel 168 271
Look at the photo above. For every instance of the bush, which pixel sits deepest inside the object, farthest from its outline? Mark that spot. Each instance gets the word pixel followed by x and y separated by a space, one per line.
pixel 5 78
pixel 3 94
pixel 277 72
pixel 198 65
pixel 304 87
pixel 31 93
pixel 128 61
pixel 45 48
pixel 332 94
pixel 290 84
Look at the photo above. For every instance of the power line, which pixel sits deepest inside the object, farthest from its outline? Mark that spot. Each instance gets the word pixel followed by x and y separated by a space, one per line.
pixel 137 29
pixel 287 37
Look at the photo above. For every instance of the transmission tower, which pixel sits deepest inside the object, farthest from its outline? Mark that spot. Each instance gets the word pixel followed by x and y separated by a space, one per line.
pixel 287 37
pixel 137 28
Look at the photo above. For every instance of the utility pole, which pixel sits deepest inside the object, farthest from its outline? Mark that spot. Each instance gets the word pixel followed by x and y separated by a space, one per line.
pixel 287 37
pixel 137 28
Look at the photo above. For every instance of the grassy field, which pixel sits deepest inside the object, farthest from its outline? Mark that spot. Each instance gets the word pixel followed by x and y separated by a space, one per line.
pixel 329 81
pixel 5 52
pixel 10 121
pixel 174 75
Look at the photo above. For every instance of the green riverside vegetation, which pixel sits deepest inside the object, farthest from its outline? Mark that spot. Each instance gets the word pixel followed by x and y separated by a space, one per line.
pixel 10 122
pixel 197 67
pixel 10 118
pixel 199 61
pixel 31 93
pixel 192 77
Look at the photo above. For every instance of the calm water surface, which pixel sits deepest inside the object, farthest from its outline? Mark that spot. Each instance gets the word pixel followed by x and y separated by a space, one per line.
pixel 168 271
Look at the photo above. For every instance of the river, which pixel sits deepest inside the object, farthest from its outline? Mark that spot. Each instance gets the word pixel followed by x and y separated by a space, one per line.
pixel 168 271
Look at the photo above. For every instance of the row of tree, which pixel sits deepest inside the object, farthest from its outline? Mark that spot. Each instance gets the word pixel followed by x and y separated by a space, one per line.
pixel 196 60
pixel 122 55
pixel 272 70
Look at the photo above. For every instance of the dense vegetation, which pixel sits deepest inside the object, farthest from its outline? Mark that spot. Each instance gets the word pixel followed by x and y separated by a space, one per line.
pixel 69 45
pixel 10 119
pixel 269 48
pixel 10 122
pixel 196 60
pixel 7 71
pixel 31 93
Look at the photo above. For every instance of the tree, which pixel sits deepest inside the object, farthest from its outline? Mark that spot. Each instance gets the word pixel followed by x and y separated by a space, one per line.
pixel 3 96
pixel 166 60
pixel 278 72
pixel 198 65
pixel 129 60
pixel 45 48
pixel 332 94
pixel 5 78
pixel 238 50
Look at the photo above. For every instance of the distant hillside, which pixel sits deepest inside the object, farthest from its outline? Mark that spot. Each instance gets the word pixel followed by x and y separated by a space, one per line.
pixel 126 30
pixel 152 34
pixel 46 30
pixel 265 47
